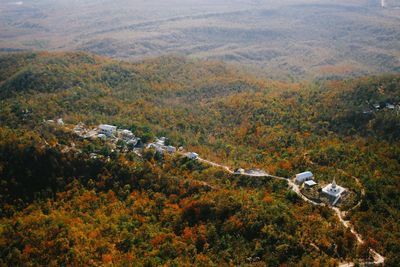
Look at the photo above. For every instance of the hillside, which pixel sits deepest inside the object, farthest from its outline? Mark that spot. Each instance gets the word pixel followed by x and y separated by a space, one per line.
pixel 61 205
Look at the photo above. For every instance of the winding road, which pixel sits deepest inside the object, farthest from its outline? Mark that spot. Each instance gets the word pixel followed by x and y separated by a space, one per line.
pixel 378 258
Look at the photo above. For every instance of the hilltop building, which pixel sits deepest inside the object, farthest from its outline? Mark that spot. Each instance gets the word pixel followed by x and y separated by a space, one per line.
pixel 304 176
pixel 192 155
pixel 309 183
pixel 240 171
pixel 161 141
pixel 390 106
pixel 108 130
pixel 126 134
pixel 171 149
pixel 333 191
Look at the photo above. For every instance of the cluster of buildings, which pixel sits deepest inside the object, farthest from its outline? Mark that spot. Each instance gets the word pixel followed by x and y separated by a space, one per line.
pixel 377 107
pixel 111 133
pixel 332 190
pixel 160 146
pixel 107 132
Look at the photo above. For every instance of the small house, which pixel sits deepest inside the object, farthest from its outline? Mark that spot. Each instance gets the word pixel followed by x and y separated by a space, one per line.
pixel 390 106
pixel 240 171
pixel 192 155
pixel 126 134
pixel 60 122
pixel 304 176
pixel 171 149
pixel 309 183
pixel 161 141
pixel 108 130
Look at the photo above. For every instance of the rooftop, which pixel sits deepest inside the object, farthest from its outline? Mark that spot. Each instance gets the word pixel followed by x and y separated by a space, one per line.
pixel 333 189
pixel 107 127
pixel 310 183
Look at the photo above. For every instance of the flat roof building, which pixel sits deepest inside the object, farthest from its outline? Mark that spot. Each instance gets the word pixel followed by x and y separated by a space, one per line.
pixel 108 130
pixel 310 183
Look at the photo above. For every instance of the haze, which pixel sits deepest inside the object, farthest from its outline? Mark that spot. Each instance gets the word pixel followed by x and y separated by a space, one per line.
pixel 283 39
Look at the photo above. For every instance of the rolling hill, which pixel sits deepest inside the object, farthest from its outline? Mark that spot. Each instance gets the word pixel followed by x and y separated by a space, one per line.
pixel 287 39
pixel 61 206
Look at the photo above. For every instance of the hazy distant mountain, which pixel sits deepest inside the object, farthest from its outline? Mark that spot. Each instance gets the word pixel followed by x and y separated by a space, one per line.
pixel 294 37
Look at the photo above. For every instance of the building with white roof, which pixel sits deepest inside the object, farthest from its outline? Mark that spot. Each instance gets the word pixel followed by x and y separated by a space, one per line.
pixel 333 190
pixel 161 141
pixel 108 130
pixel 310 183
pixel 192 155
pixel 304 176
pixel 390 106
pixel 171 149
pixel 240 171
pixel 60 121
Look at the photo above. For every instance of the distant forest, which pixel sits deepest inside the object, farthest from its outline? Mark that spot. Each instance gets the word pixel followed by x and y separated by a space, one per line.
pixel 286 39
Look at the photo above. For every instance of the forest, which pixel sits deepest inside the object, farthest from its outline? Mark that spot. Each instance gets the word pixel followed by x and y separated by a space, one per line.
pixel 66 208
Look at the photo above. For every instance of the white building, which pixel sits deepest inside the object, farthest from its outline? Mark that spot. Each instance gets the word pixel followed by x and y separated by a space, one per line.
pixel 333 190
pixel 192 155
pixel 390 106
pixel 126 134
pixel 310 183
pixel 108 130
pixel 171 149
pixel 102 136
pixel 161 141
pixel 304 176
pixel 239 171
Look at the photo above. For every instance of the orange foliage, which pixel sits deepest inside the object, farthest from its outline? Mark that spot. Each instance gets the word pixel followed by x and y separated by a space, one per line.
pixel 267 198
pixel 285 165
pixel 27 250
pixel 107 258
pixel 158 240
pixel 188 234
